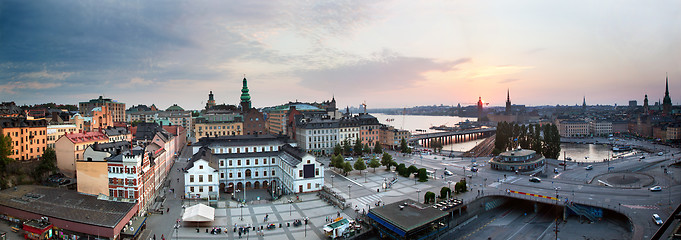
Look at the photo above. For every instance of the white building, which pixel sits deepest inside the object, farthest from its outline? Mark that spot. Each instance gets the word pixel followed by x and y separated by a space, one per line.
pixel 201 176
pixel 570 128
pixel 600 128
pixel 263 162
pixel 318 135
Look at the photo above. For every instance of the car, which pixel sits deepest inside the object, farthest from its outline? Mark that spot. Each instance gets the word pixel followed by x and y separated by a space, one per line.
pixel 643 157
pixel 561 164
pixel 535 179
pixel 348 159
pixel 657 219
pixel 660 153
pixel 555 170
pixel 448 173
pixel 474 169
pixel 589 167
pixel 655 189
pixel 475 164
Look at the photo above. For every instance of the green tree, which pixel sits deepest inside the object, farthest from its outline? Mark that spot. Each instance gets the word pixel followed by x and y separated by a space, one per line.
pixel 378 148
pixel 393 164
pixel 48 163
pixel 412 169
pixel 423 175
pixel 337 150
pixel 347 168
pixel 358 146
pixel 403 145
pixel 5 151
pixel 402 170
pixel 360 165
pixel 347 147
pixel 366 148
pixel 436 145
pixel 429 197
pixel 445 192
pixel 386 160
pixel 374 163
pixel 337 161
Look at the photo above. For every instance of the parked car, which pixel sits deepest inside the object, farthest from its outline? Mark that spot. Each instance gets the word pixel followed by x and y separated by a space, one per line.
pixel 348 159
pixel 655 189
pixel 448 173
pixel 660 153
pixel 535 179
pixel 643 157
pixel 474 169
pixel 590 167
pixel 657 219
pixel 555 170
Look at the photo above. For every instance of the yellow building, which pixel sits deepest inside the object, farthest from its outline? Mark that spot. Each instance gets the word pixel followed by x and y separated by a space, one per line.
pixel 28 137
pixel 71 147
pixel 215 129
pixel 54 132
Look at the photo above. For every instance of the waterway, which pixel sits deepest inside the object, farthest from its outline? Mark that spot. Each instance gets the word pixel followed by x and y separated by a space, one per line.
pixel 586 152
pixel 414 122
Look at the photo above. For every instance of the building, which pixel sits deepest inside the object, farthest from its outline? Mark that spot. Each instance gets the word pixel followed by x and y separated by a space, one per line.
pixel 263 162
pixel 117 134
pixel 408 219
pixel 201 176
pixel 73 215
pixel 317 135
pixel 520 160
pixel 211 101
pixel 54 132
pixel 573 128
pixel 101 118
pixel 368 130
pixel 29 137
pixel 204 128
pixel 391 138
pixel 600 128
pixel 70 148
pixel 10 109
pixel 674 132
pixel 116 109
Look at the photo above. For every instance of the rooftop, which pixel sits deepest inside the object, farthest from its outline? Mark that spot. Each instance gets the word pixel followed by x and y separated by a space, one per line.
pixel 517 152
pixel 86 137
pixel 408 218
pixel 66 205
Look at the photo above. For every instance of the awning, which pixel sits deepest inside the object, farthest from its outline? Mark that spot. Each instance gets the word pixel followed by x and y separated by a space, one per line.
pixel 199 213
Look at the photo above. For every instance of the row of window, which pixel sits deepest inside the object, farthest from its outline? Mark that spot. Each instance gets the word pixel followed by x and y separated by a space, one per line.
pixel 123 193
pixel 248 174
pixel 245 149
pixel 123 181
pixel 200 177
pixel 210 189
pixel 127 170
pixel 248 162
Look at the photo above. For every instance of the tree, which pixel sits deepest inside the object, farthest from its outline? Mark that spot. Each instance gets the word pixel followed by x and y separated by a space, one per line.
pixel 337 150
pixel 358 146
pixel 445 192
pixel 412 169
pixel 402 170
pixel 359 164
pixel 393 164
pixel 347 167
pixel 423 175
pixel 347 147
pixel 374 163
pixel 48 163
pixel 436 145
pixel 429 197
pixel 366 148
pixel 403 146
pixel 378 148
pixel 386 160
pixel 5 151
pixel 337 161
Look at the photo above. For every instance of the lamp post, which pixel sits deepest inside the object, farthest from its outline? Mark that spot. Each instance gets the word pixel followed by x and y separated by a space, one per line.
pixel 449 185
pixel 237 191
pixel 556 216
pixel 290 203
pixel 242 211
pixel 365 175
pixel 349 191
pixel 332 176
pixel 418 195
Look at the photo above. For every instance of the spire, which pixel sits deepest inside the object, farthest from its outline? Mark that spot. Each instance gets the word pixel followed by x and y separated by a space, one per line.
pixel 508 101
pixel 245 97
pixel 666 101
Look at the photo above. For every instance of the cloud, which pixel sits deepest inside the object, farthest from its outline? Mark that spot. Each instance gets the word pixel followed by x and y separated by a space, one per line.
pixel 508 80
pixel 387 72
pixel 44 74
pixel 135 82
pixel 10 87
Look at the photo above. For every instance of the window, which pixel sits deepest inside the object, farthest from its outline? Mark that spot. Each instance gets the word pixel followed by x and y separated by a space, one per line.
pixel 210 178
pixel 201 189
pixel 256 161
pixel 300 173
pixel 238 174
pixel 230 175
pixel 210 188
pixel 222 175
pixel 256 173
pixel 309 185
pixel 238 162
pixel 273 173
pixel 272 160
pixel 191 178
pixel 264 173
pixel 316 171
pixel 230 161
pixel 222 163
pixel 201 178
pixel 191 189
pixel 248 162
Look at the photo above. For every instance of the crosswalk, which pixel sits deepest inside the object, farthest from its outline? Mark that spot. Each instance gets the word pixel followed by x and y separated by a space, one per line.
pixel 370 200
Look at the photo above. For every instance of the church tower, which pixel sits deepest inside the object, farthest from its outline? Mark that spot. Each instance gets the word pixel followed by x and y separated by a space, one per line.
pixel 245 97
pixel 584 104
pixel 211 101
pixel 508 102
pixel 645 105
pixel 666 101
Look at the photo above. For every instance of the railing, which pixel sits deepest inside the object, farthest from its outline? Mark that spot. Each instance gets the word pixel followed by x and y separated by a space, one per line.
pixel 579 210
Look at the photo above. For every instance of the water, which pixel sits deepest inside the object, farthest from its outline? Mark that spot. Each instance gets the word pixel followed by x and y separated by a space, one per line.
pixel 413 122
pixel 578 152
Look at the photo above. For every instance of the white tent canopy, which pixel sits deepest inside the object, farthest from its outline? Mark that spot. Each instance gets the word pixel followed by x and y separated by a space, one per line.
pixel 199 213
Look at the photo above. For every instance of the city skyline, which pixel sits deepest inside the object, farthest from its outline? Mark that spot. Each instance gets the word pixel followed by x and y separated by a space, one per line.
pixel 438 52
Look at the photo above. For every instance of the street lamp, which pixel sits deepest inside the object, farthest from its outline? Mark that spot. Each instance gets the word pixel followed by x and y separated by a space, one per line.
pixel 349 191
pixel 449 185
pixel 558 213
pixel 418 195
pixel 332 176
pixel 290 203
pixel 242 211
pixel 365 175
pixel 237 191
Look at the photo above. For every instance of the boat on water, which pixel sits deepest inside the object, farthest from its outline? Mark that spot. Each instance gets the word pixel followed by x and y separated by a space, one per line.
pixel 621 148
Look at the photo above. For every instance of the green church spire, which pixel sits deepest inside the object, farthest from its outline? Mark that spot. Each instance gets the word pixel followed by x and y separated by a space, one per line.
pixel 245 97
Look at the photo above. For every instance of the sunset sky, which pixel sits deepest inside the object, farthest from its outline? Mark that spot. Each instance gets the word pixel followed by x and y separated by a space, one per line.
pixel 387 53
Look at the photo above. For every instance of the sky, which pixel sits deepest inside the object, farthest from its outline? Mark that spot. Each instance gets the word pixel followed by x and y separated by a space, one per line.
pixel 398 53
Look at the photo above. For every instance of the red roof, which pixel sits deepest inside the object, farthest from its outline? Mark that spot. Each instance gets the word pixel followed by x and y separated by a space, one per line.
pixel 87 137
pixel 174 129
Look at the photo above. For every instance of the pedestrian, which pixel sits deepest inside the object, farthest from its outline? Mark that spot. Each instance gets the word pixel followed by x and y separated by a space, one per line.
pixel 337 214
pixel 154 236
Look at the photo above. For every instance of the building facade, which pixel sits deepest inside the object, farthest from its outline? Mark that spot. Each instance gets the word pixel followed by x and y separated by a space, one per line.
pixel 29 137
pixel 573 128
pixel 54 132
pixel 70 148
pixel 117 109
pixel 520 160
pixel 201 176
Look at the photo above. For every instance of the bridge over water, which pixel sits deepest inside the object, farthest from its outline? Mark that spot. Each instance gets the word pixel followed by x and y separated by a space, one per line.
pixel 451 137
